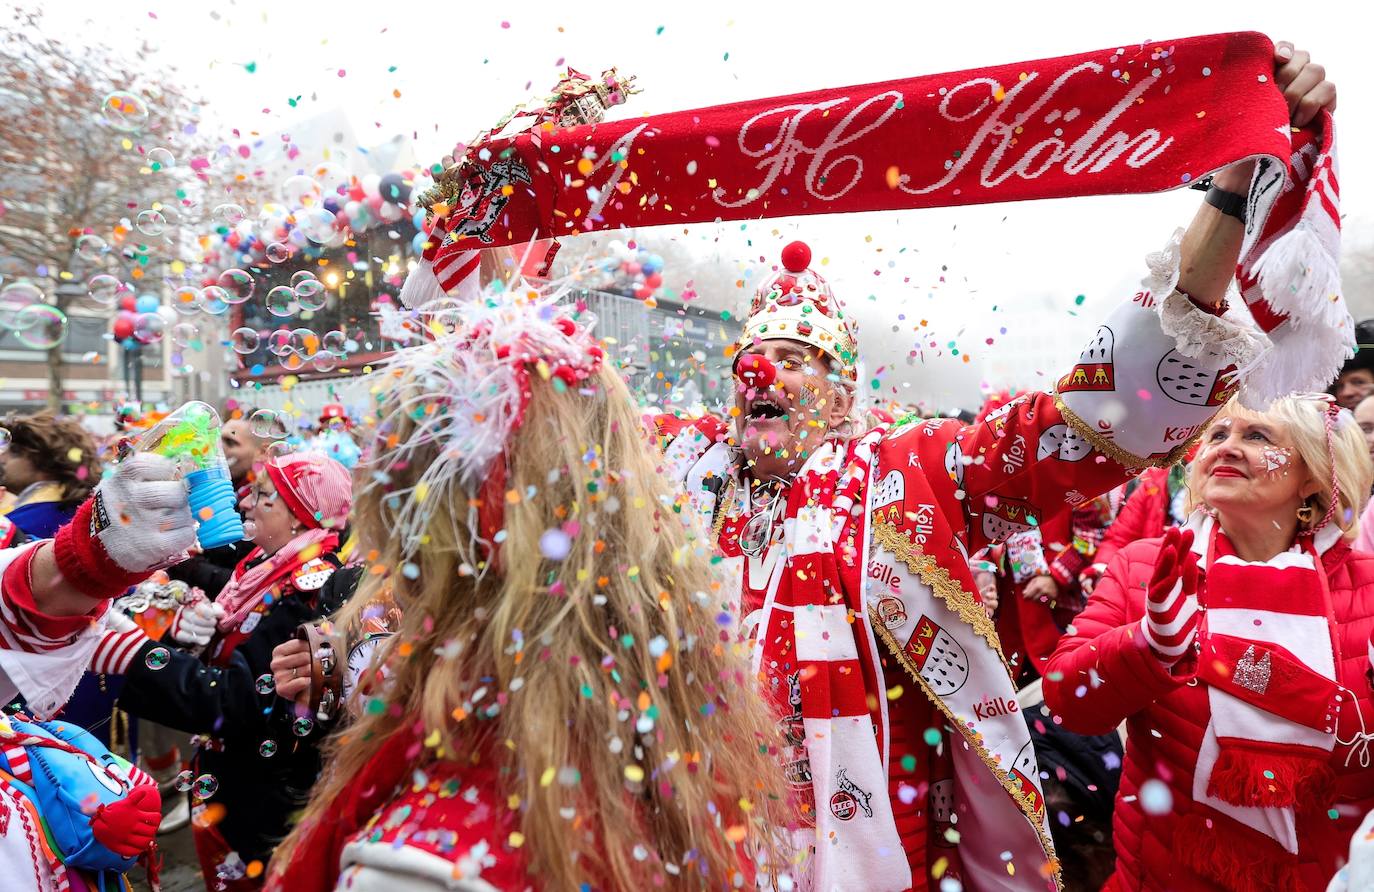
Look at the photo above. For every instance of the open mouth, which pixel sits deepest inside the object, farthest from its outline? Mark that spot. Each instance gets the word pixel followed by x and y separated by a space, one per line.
pixel 766 406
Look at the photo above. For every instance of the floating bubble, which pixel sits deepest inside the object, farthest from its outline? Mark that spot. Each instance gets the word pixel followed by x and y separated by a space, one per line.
pixel 324 361
pixel 160 159
pixel 317 223
pixel 250 530
pixel 281 301
pixel 278 252
pixel 280 343
pixel 335 342
pixel 305 342
pixel 5 439
pixel 302 727
pixel 205 786
pixel 16 297
pixel 186 300
pixel 151 223
pixel 277 450
pixel 185 779
pixel 311 294
pixel 184 334
pixel 104 289
pixel 268 425
pixel 214 300
pixel 91 247
pixel 237 285
pixel 267 749
pixel 157 658
pixel 264 684
pixel 302 275
pixel 300 191
pixel 244 340
pixel 229 214
pixel 40 326
pixel 149 328
pixel 125 111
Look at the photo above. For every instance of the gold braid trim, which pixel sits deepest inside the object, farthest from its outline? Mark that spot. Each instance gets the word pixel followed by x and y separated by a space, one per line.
pixel 974 740
pixel 1107 447
pixel 946 589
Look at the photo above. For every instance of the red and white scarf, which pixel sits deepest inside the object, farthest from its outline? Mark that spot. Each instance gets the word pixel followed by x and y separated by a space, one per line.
pixel 1143 118
pixel 247 588
pixel 1268 657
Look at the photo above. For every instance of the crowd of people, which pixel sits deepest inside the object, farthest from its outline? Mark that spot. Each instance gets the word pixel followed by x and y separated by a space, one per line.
pixel 537 639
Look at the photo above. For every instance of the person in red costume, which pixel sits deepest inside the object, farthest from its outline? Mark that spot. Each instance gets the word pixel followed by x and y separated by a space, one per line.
pixel 54 600
pixel 850 548
pixel 1235 649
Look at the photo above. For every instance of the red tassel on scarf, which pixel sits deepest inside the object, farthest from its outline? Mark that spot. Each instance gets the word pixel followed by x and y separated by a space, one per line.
pixel 1268 779
pixel 1233 856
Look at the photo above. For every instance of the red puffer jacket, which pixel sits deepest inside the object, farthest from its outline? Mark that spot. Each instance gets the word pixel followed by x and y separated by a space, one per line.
pixel 1104 672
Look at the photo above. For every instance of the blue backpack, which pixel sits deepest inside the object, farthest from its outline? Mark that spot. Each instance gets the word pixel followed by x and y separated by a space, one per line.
pixel 66 773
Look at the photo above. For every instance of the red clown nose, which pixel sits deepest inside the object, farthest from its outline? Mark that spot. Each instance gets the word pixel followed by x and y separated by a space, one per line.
pixel 756 371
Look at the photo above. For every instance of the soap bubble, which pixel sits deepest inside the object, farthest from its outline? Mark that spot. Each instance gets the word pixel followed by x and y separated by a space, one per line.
pixel 91 247
pixel 302 275
pixel 268 425
pixel 184 334
pixel 214 300
pixel 305 342
pixel 105 289
pixel 40 326
pixel 149 328
pixel 160 159
pixel 157 658
pixel 151 223
pixel 280 343
pixel 244 340
pixel 281 301
pixel 229 214
pixel 311 294
pixel 15 298
pixel 184 779
pixel 336 342
pixel 300 191
pixel 324 361
pixel 302 727
pixel 264 684
pixel 124 111
pixel 317 223
pixel 237 285
pixel 206 786
pixel 186 300
pixel 267 749
pixel 278 252
pixel 5 439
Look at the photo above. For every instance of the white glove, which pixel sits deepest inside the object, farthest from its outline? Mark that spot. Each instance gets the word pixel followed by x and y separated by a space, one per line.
pixel 138 520
pixel 195 622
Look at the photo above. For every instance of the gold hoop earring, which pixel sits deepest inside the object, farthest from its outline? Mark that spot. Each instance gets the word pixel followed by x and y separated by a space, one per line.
pixel 1306 513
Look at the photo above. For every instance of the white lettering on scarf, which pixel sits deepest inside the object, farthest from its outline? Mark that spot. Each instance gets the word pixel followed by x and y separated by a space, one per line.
pixel 611 158
pixel 830 176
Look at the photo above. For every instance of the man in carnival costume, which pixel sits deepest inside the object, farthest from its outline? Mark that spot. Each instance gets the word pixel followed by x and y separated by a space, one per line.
pixel 852 547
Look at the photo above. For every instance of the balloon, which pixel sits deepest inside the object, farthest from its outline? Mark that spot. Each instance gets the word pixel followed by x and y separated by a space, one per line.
pixel 391 213
pixel 418 221
pixel 417 244
pixel 331 205
pixel 123 328
pixel 374 204
pixel 394 189
pixel 644 293
pixel 372 185
pixel 128 303
pixel 355 191
pixel 146 303
pixel 633 267
pixel 653 280
pixel 168 314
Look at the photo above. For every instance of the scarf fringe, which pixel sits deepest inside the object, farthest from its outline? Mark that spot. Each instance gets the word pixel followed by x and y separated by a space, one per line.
pixel 1268 780
pixel 1235 862
pixel 421 287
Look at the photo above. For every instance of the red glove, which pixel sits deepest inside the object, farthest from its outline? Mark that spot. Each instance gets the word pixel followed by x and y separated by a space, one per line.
pixel 128 827
pixel 1171 613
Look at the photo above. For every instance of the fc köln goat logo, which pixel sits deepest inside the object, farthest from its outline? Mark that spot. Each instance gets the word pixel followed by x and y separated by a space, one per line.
pixel 1062 442
pixel 483 198
pixel 939 659
pixel 1006 517
pixel 1182 381
pixel 887 501
pixel 849 799
pixel 1094 370
pixel 1023 772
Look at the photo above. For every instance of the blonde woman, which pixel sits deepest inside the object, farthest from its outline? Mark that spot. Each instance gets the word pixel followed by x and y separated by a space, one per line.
pixel 1235 651
pixel 562 705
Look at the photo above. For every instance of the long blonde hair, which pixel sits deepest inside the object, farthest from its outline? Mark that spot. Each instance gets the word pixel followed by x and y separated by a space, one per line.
pixel 621 678
pixel 1305 421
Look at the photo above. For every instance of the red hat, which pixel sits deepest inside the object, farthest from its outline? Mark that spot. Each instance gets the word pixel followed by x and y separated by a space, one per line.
pixel 335 412
pixel 317 490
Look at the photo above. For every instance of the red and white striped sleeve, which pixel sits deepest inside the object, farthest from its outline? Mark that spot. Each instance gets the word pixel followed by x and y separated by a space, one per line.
pixel 23 626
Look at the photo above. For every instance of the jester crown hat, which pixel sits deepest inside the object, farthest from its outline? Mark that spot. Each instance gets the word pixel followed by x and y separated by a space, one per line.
pixel 796 304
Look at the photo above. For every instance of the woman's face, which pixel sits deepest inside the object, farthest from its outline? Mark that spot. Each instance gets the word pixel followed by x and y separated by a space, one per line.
pixel 1249 464
pixel 275 523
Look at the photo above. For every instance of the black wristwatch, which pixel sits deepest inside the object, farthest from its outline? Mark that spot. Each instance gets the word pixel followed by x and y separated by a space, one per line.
pixel 1229 203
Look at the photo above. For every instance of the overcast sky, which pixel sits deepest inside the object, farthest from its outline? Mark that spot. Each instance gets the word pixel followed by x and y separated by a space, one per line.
pixel 458 66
